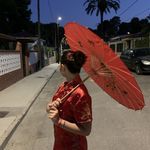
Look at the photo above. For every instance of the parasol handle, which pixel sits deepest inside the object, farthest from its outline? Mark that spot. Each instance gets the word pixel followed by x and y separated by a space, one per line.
pixel 64 98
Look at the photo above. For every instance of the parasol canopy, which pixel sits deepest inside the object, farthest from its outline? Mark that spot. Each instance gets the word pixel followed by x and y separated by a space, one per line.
pixel 104 66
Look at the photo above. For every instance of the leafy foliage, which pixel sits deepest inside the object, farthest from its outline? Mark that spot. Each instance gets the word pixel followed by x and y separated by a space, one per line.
pixel 101 7
pixel 14 16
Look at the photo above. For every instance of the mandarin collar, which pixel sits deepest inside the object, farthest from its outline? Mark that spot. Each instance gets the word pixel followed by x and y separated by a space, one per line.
pixel 73 82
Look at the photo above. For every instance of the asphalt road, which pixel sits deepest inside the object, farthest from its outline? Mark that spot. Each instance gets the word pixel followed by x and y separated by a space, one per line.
pixel 114 126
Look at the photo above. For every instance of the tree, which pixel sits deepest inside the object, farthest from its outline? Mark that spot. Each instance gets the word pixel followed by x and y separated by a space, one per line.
pixel 148 17
pixel 14 16
pixel 110 27
pixel 101 7
pixel 135 25
pixel 114 26
pixel 145 25
pixel 23 14
pixel 124 28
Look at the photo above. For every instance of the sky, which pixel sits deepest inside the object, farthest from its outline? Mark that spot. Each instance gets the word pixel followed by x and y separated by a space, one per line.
pixel 73 10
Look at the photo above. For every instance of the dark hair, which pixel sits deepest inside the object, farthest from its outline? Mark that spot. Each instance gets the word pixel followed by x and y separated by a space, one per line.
pixel 74 60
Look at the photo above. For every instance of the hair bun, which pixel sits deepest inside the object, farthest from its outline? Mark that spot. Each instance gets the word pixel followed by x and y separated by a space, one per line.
pixel 74 60
pixel 80 58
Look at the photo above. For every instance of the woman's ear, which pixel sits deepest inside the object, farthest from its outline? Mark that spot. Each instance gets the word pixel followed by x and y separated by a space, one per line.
pixel 62 67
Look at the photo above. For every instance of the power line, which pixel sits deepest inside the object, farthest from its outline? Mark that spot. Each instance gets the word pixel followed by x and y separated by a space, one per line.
pixel 128 7
pixel 140 13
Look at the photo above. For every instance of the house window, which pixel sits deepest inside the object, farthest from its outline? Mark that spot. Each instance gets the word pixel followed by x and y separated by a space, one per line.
pixel 112 46
pixel 119 47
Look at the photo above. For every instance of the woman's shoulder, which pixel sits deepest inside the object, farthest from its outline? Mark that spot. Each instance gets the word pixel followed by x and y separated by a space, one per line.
pixel 82 91
pixel 80 96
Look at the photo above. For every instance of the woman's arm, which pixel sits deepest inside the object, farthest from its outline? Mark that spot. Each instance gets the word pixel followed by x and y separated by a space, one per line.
pixel 81 129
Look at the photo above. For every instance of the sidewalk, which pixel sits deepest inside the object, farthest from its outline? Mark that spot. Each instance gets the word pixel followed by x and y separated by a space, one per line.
pixel 16 100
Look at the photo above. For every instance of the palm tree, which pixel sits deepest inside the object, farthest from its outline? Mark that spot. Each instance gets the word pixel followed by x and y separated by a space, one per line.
pixel 101 7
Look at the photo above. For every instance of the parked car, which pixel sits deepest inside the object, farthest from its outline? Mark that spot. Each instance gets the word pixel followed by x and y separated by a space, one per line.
pixel 137 59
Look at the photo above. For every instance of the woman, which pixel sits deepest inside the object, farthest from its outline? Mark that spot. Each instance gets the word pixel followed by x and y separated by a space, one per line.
pixel 72 118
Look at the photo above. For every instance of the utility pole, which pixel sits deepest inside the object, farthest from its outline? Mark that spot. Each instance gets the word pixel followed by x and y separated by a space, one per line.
pixel 57 40
pixel 39 34
pixel 38 10
pixel 149 40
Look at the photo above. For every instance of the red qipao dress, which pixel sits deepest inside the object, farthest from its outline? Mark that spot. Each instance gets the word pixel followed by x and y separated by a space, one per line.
pixel 76 109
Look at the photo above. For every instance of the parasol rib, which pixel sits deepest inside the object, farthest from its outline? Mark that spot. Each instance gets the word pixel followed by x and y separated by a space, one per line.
pixel 124 78
pixel 120 77
pixel 129 97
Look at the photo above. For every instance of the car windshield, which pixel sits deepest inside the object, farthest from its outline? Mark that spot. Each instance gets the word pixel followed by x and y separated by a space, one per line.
pixel 142 52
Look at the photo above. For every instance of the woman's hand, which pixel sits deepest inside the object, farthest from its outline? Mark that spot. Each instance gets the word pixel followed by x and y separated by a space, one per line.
pixel 54 114
pixel 55 103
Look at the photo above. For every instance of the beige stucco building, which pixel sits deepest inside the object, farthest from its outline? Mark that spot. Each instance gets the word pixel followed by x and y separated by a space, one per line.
pixel 129 41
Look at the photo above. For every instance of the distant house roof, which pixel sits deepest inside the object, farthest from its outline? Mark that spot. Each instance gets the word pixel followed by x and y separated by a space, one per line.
pixel 19 38
pixel 7 37
pixel 125 37
pixel 27 39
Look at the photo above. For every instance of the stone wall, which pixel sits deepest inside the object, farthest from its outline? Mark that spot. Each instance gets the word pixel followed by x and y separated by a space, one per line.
pixel 11 69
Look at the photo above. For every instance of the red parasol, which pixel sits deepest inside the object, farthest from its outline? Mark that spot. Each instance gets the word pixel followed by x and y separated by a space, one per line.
pixel 105 67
